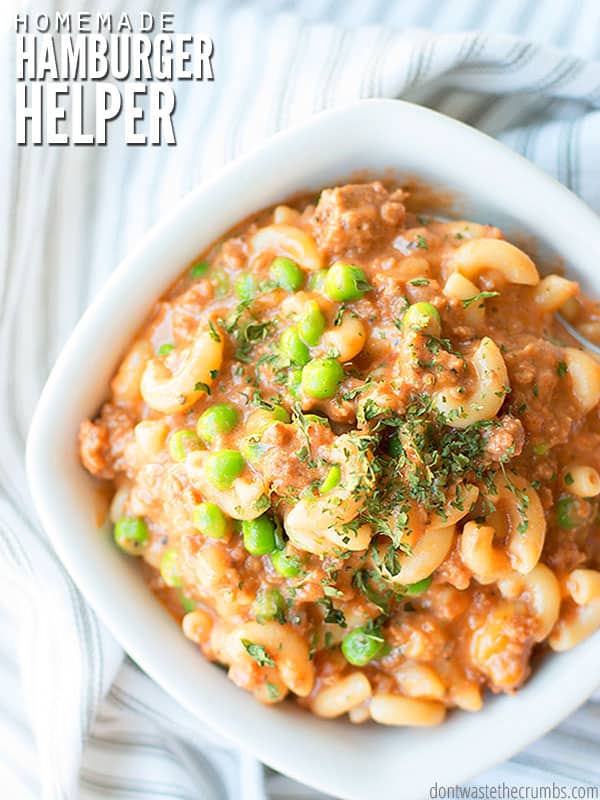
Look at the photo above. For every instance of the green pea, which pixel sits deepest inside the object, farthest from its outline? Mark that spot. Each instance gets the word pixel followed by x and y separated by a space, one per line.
pixel 263 418
pixel 321 377
pixel 311 323
pixel 316 280
pixel 245 287
pixel 253 449
pixel 346 282
pixel 131 534
pixel 169 569
pixel 541 448
pixel 199 269
pixel 223 467
pixel 269 605
pixel 165 348
pixel 361 646
pixel 294 381
pixel 423 317
pixel 280 414
pixel 259 535
pixel 565 513
pixel 210 520
pixel 286 565
pixel 183 442
pixel 220 280
pixel 331 480
pixel 293 347
pixel 186 603
pixel 287 274
pixel 215 421
pixel 415 589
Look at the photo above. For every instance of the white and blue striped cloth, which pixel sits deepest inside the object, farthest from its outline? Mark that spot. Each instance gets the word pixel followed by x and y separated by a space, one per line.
pixel 77 719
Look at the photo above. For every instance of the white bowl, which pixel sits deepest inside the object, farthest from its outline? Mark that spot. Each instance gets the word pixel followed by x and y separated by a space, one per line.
pixel 353 762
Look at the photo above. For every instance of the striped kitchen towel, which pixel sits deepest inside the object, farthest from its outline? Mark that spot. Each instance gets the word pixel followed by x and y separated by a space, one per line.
pixel 77 719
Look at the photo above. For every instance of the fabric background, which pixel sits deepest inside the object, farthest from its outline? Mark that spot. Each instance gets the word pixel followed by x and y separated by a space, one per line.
pixel 77 718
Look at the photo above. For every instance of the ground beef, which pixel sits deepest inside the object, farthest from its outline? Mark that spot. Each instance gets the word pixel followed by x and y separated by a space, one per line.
pixel 504 441
pixel 349 219
pixel 562 551
pixel 453 571
pixel 418 635
pixel 533 370
pixel 104 441
pixel 233 253
pixel 287 466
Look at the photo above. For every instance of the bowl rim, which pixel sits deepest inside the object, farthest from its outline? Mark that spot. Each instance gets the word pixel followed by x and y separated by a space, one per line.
pixel 38 440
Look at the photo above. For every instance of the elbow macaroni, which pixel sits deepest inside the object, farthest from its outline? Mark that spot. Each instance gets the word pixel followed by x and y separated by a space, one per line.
pixel 176 391
pixel 487 397
pixel 282 645
pixel 460 288
pixel 342 696
pixel 520 522
pixel 552 292
pixel 391 709
pixel 580 617
pixel 585 377
pixel 478 255
pixel 541 590
pixel 347 339
pixel 426 555
pixel 287 240
pixel 582 481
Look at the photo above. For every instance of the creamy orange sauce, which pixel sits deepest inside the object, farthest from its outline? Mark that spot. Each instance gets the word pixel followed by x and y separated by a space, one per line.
pixel 475 419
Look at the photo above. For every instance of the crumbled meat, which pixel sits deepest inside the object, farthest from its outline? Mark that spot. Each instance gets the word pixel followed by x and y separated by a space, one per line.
pixel 286 465
pixel 103 442
pixel 562 552
pixel 348 219
pixel 506 440
pixel 418 635
pixel 233 253
pixel 184 311
pixel 535 381
pixel 93 444
pixel 453 570
pixel 336 408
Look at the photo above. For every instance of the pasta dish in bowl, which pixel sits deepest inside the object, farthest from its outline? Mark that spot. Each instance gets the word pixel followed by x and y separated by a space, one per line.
pixel 358 457
pixel 318 466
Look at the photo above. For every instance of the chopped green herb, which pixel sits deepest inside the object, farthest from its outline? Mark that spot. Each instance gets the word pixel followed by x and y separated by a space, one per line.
pixel 333 615
pixel 213 333
pixel 481 296
pixel 272 690
pixel 258 653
